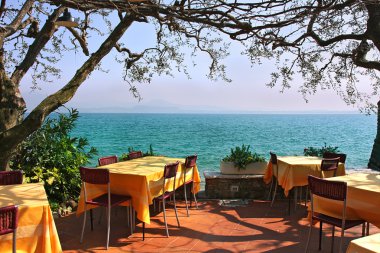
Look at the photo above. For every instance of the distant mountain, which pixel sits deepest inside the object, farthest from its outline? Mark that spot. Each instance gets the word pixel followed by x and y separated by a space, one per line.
pixel 162 106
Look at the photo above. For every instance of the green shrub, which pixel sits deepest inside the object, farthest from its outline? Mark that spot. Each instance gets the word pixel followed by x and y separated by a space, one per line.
pixel 52 156
pixel 241 156
pixel 125 157
pixel 313 151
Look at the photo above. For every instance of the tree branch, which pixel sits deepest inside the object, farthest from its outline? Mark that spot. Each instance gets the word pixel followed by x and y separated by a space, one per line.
pixel 81 41
pixel 13 26
pixel 2 7
pixel 35 119
pixel 39 43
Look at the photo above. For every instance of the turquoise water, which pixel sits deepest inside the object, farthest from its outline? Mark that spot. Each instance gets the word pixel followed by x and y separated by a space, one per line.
pixel 212 136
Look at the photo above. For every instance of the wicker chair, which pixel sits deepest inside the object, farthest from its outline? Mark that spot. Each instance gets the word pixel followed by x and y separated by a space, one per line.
pixel 107 160
pixel 334 190
pixel 11 177
pixel 190 163
pixel 8 222
pixel 107 200
pixel 342 157
pixel 135 154
pixel 330 164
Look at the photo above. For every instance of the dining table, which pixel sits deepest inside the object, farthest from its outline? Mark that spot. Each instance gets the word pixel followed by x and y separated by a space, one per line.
pixel 142 179
pixel 367 244
pixel 294 170
pixel 36 230
pixel 363 199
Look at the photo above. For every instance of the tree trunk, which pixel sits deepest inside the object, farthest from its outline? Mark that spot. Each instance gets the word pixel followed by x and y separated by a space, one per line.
pixel 374 161
pixel 12 107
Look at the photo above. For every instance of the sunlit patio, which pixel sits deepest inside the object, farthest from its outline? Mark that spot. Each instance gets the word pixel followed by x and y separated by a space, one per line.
pixel 217 226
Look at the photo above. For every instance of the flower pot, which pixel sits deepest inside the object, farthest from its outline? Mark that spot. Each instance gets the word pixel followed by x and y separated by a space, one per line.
pixel 251 168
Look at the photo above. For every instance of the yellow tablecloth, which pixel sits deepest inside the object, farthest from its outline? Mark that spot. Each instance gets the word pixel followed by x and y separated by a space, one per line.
pixel 36 228
pixel 142 179
pixel 294 170
pixel 368 244
pixel 363 199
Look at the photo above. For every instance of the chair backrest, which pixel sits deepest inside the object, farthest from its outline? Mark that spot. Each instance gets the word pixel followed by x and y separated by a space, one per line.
pixel 342 157
pixel 135 154
pixel 336 190
pixel 330 164
pixel 170 171
pixel 107 160
pixel 191 161
pixel 94 175
pixel 273 158
pixel 8 219
pixel 332 190
pixel 11 177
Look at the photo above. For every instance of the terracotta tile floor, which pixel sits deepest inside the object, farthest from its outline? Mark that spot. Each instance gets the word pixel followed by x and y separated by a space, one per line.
pixel 253 227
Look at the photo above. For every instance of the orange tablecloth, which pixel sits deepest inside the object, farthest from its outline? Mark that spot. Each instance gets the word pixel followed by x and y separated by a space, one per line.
pixel 368 244
pixel 294 170
pixel 363 199
pixel 142 179
pixel 36 228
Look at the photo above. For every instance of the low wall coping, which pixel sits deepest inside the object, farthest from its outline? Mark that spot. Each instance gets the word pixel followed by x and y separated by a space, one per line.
pixel 216 174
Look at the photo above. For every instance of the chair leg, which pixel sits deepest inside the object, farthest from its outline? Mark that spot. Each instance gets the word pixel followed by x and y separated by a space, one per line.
pixel 274 193
pixel 320 235
pixel 14 241
pixel 270 188
pixel 175 209
pixel 195 200
pixel 341 240
pixel 84 224
pixel 191 201
pixel 367 232
pixel 187 208
pixel 308 238
pixel 108 225
pixel 332 239
pixel 363 229
pixel 166 224
pixel 91 218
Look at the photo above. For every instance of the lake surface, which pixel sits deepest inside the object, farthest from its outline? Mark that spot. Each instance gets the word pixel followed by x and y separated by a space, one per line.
pixel 212 136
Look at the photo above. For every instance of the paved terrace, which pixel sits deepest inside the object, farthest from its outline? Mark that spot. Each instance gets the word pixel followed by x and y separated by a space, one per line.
pixel 251 226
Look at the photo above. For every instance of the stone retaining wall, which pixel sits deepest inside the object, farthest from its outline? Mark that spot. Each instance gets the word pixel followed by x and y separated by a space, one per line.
pixel 220 186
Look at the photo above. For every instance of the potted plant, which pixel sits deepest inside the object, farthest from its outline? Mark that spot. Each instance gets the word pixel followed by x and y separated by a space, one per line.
pixel 242 161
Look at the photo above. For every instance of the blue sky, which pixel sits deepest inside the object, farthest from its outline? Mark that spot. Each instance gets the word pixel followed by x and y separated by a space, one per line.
pixel 107 92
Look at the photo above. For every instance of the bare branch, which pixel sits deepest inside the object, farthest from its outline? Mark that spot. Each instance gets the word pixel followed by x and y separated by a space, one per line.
pixel 13 26
pixel 42 38
pixel 80 39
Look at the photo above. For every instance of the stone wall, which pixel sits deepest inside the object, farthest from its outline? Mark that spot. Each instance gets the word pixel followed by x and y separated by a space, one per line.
pixel 220 186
